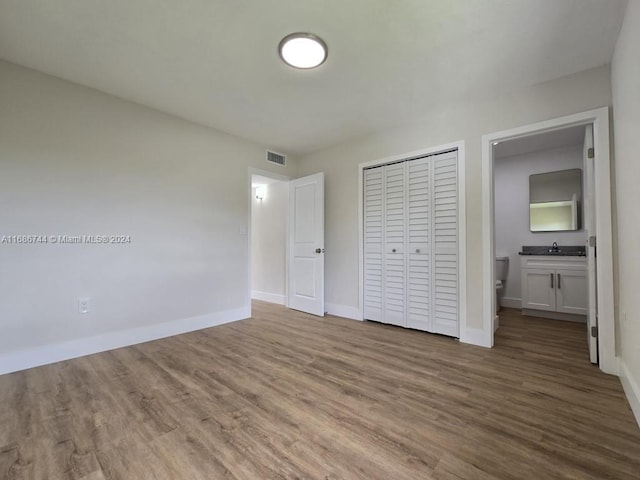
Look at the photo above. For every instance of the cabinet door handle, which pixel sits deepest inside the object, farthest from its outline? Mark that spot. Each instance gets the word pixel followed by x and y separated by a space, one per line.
pixel 551 277
pixel 558 281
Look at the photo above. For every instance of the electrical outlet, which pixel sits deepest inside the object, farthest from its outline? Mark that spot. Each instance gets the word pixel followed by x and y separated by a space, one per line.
pixel 83 305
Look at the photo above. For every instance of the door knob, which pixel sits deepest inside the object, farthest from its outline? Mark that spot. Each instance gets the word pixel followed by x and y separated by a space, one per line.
pixel 393 250
pixel 417 250
pixel 319 250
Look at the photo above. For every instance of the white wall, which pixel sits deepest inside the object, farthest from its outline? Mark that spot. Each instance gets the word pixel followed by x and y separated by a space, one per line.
pixel 626 109
pixel 75 161
pixel 511 193
pixel 466 121
pixel 269 242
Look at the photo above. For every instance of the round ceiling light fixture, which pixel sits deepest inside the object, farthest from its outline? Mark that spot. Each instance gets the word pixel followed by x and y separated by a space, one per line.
pixel 303 50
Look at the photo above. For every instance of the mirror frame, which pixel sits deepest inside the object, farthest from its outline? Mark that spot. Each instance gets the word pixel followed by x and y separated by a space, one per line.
pixel 579 202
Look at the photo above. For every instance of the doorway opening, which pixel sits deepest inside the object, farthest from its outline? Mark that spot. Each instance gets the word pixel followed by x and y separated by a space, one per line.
pixel 555 272
pixel 268 237
pixel 286 240
pixel 542 221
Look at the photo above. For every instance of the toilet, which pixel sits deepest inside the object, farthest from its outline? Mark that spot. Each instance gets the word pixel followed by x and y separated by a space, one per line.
pixel 502 265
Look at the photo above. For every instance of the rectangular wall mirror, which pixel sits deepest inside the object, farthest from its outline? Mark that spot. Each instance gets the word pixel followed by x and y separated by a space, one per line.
pixel 555 201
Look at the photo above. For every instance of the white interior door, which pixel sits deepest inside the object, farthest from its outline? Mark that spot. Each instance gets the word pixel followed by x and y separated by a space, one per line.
pixel 419 270
pixel 590 227
pixel 394 304
pixel 306 230
pixel 410 249
pixel 445 244
pixel 373 230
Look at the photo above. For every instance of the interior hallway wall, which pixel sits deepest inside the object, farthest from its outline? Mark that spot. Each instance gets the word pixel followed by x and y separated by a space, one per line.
pixel 626 115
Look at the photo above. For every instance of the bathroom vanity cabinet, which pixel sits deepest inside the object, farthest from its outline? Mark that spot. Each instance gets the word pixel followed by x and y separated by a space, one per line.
pixel 554 287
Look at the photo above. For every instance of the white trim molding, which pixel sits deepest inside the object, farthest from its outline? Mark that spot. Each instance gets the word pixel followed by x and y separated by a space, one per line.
pixel 268 297
pixel 462 225
pixel 511 302
pixel 344 311
pixel 474 336
pixel 631 389
pixel 44 355
pixel 599 118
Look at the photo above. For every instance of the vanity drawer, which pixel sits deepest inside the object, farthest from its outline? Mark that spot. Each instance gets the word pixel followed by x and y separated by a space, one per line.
pixel 553 262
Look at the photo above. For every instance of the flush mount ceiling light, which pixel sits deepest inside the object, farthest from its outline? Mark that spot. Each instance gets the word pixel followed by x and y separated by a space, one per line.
pixel 303 50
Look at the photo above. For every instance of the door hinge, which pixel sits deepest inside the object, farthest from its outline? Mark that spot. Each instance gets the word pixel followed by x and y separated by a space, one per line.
pixel 592 241
pixel 594 332
pixel 590 153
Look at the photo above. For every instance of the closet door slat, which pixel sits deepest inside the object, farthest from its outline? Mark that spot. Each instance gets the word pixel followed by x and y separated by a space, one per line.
pixel 445 244
pixel 394 306
pixel 419 244
pixel 373 243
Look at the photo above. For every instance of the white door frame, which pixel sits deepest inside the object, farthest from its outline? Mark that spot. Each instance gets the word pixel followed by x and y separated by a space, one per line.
pixel 589 221
pixel 283 178
pixel 462 226
pixel 606 320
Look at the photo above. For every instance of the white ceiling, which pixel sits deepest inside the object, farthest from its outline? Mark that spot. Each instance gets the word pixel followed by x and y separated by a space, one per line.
pixel 566 137
pixel 215 61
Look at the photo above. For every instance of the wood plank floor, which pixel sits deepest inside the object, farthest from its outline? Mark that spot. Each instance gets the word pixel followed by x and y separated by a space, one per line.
pixel 286 395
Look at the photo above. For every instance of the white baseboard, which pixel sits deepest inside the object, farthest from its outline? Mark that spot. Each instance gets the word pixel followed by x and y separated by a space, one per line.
pixel 631 388
pixel 565 317
pixel 510 302
pixel 475 336
pixel 35 357
pixel 344 311
pixel 268 297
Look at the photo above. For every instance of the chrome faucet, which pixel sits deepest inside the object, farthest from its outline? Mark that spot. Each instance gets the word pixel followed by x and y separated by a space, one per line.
pixel 554 247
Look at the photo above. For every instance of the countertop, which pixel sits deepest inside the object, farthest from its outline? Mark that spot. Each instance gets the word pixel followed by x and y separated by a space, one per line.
pixel 563 251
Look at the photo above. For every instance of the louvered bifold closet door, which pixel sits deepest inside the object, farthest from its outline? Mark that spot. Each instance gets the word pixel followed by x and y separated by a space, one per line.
pixel 394 302
pixel 445 243
pixel 419 244
pixel 373 243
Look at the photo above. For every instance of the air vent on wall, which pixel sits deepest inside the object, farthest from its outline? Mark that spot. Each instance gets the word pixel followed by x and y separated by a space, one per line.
pixel 277 158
